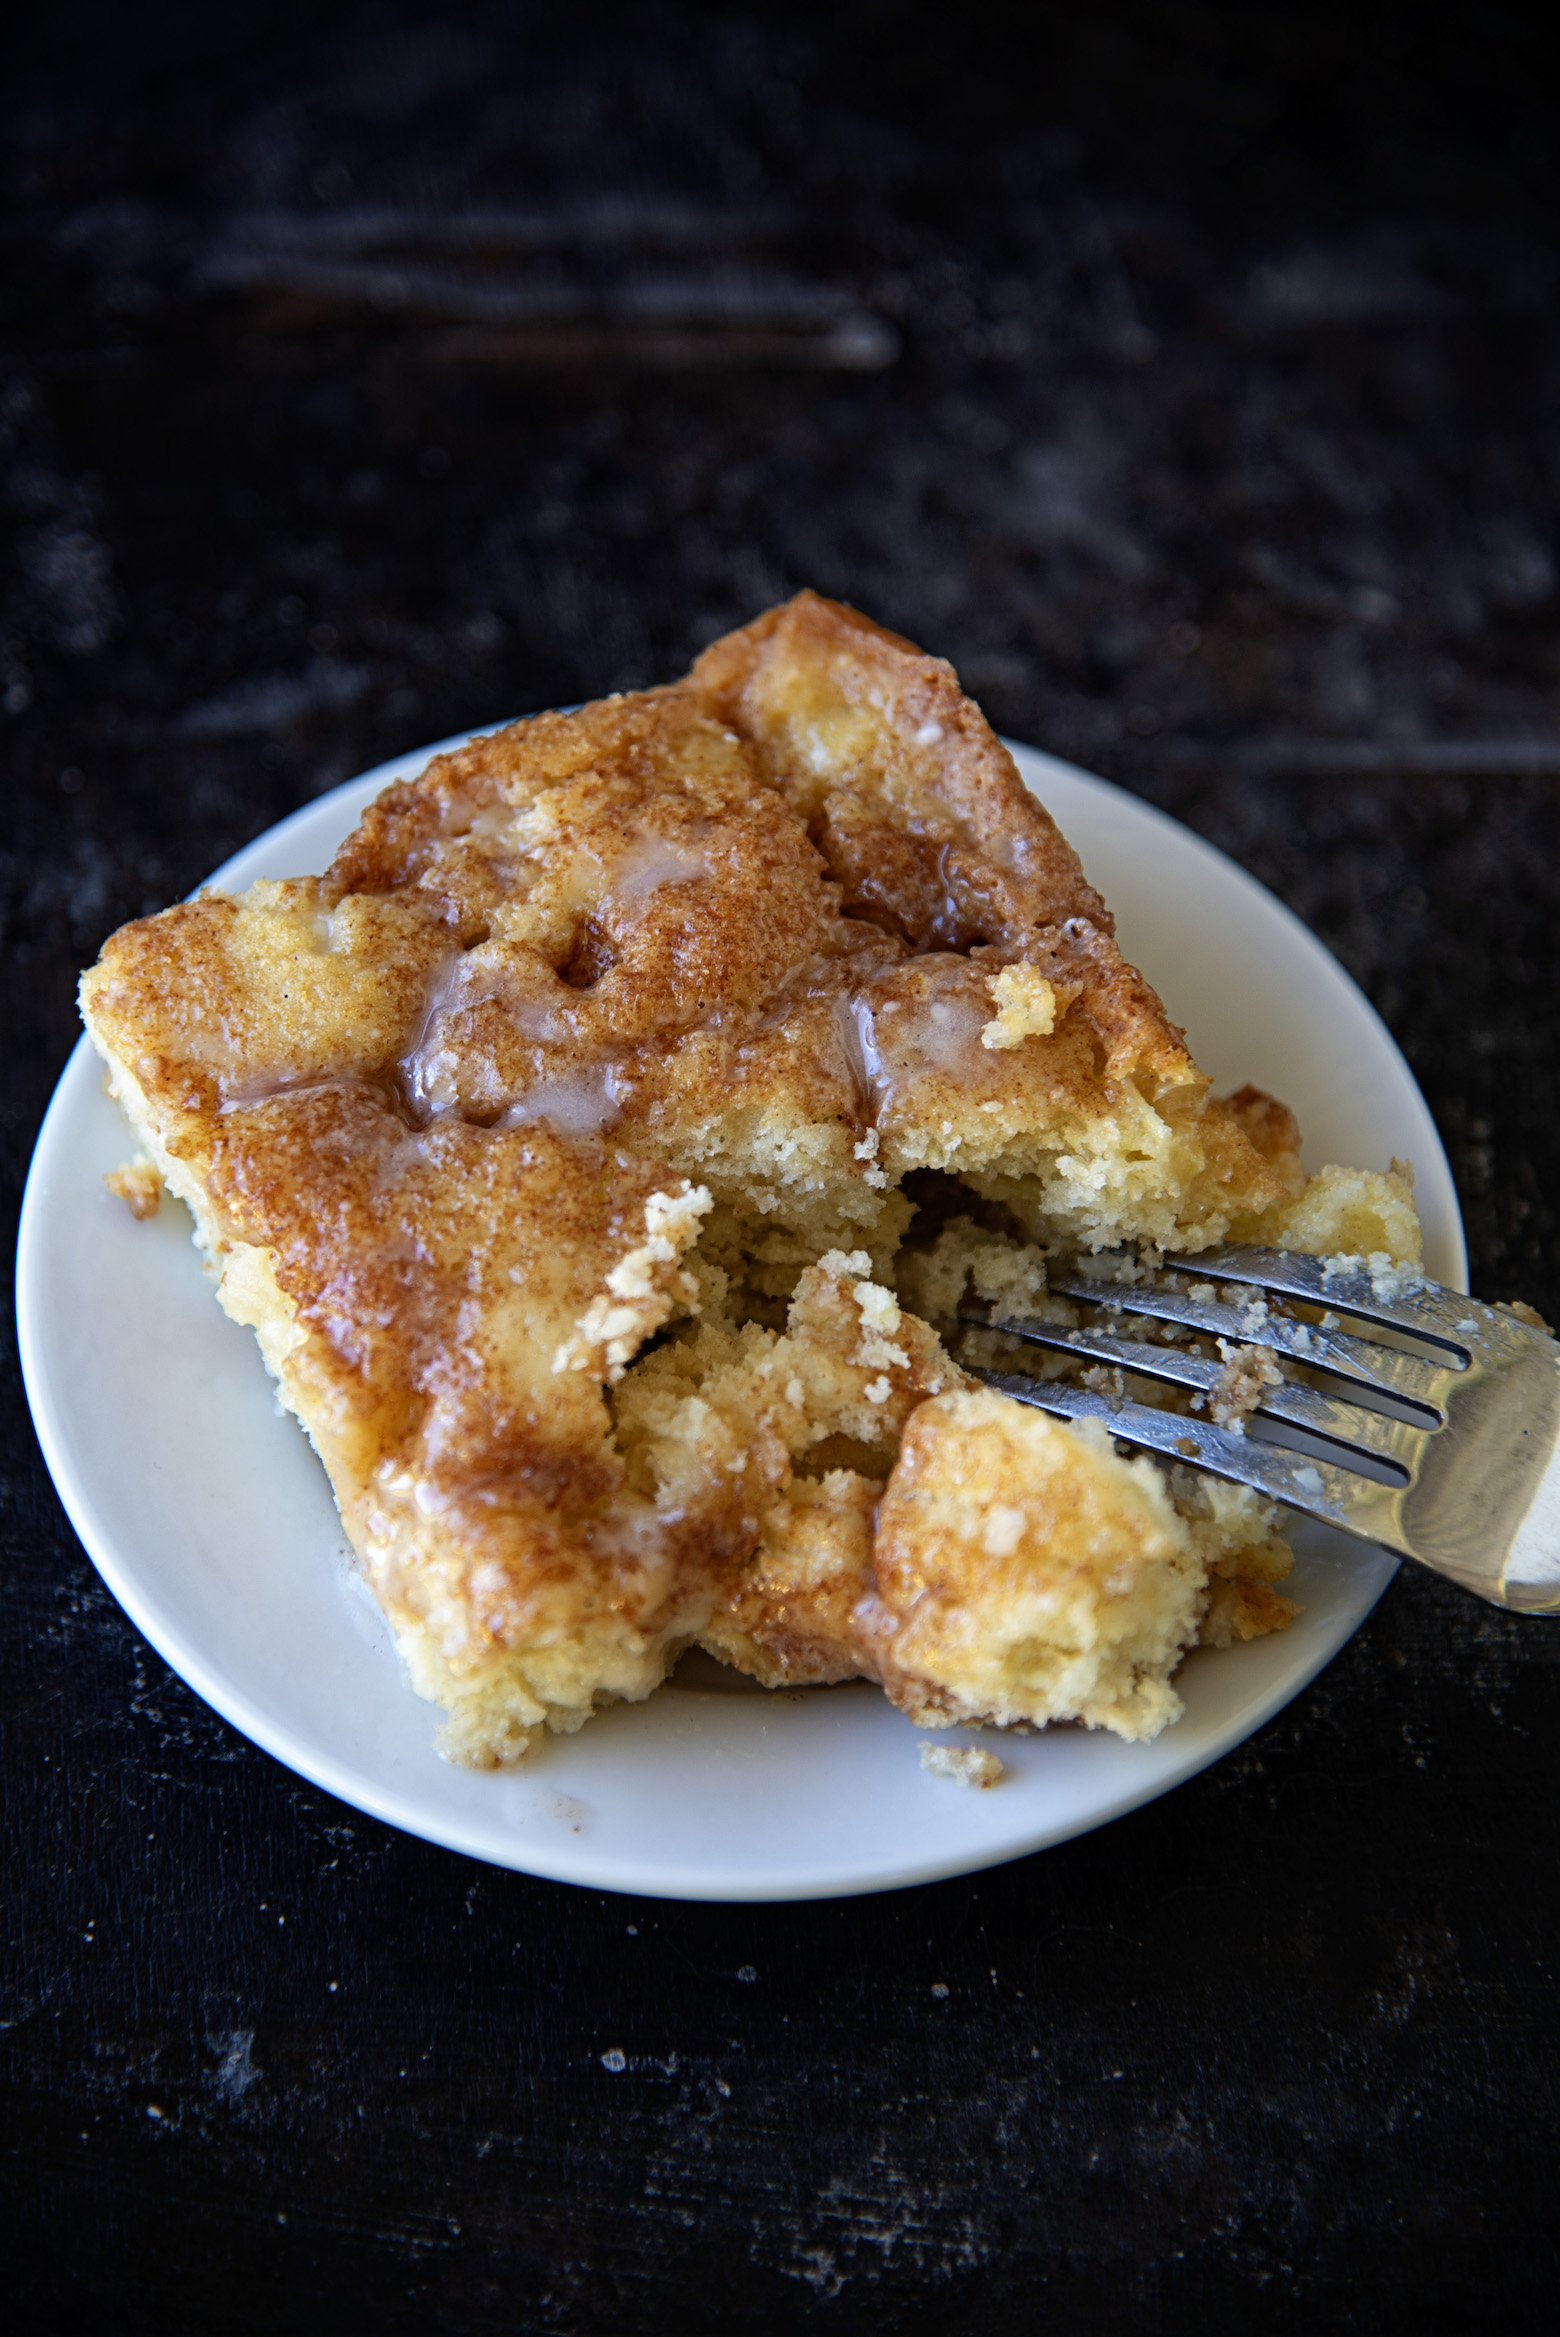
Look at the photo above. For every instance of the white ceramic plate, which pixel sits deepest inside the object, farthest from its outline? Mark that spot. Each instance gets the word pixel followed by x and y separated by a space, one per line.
pixel 212 1523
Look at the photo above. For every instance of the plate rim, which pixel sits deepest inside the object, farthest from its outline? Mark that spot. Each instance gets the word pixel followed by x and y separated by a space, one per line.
pixel 558 1861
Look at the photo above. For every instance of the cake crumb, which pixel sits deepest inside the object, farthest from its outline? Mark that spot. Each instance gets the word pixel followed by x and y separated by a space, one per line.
pixel 1391 1279
pixel 1247 1375
pixel 642 1290
pixel 138 1185
pixel 1027 1007
pixel 1526 1314
pixel 965 1764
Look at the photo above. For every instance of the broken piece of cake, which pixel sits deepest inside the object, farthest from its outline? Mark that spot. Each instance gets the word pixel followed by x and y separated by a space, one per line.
pixel 601 1150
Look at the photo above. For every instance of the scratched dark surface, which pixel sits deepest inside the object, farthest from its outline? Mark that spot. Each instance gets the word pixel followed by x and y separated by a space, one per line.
pixel 1189 376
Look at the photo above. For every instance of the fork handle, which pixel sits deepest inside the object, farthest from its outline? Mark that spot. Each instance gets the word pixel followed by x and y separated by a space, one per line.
pixel 1484 1506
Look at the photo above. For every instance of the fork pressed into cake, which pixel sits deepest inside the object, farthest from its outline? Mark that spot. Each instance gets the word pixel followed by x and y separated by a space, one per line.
pixel 1435 1430
pixel 607 1148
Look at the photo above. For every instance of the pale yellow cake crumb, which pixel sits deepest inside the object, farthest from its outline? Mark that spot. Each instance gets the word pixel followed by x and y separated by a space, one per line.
pixel 138 1185
pixel 1249 1371
pixel 1027 1007
pixel 962 1764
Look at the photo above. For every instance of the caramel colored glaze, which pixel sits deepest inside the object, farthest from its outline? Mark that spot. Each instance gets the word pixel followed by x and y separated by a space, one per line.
pixel 433 1276
pixel 216 1000
pixel 740 933
pixel 436 1272
pixel 488 936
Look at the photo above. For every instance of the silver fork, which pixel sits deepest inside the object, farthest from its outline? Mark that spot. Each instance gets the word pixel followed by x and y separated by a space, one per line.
pixel 1448 1453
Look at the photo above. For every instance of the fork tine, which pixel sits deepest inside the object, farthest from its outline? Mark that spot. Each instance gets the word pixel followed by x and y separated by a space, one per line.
pixel 1396 1442
pixel 1340 1498
pixel 1363 1363
pixel 1396 1299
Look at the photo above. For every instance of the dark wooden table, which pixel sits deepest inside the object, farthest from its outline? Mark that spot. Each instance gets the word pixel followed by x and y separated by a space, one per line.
pixel 1190 379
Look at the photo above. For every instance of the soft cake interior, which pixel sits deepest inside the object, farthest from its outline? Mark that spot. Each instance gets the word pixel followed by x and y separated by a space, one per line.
pixel 601 1149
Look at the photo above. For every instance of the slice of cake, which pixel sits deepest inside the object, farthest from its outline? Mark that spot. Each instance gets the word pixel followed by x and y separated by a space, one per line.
pixel 602 1146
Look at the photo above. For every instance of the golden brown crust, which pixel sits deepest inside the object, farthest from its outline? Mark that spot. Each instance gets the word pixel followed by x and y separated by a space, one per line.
pixel 875 744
